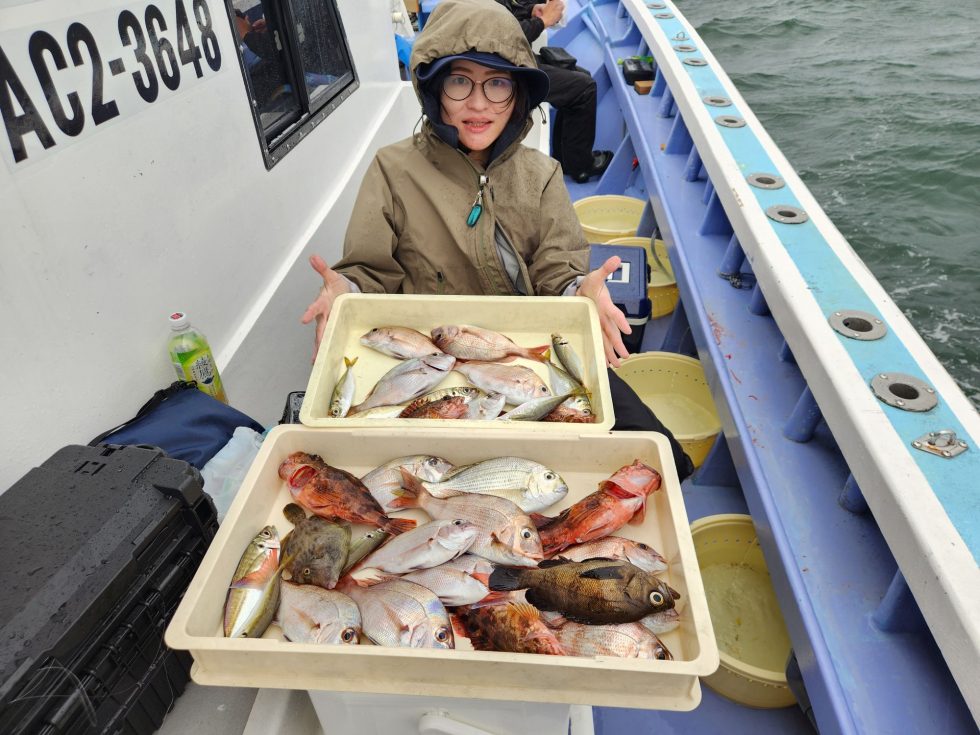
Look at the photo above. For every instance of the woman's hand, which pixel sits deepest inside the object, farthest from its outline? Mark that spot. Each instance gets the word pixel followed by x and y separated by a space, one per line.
pixel 333 286
pixel 549 12
pixel 611 319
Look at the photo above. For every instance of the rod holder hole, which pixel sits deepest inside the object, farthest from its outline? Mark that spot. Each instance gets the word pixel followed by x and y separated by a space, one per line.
pixel 904 391
pixel 858 324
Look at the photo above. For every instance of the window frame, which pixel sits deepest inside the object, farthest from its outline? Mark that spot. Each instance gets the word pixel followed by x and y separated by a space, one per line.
pixel 275 147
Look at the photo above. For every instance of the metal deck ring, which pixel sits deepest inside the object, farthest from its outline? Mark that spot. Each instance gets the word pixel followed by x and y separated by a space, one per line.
pixel 728 121
pixel 787 214
pixel 656 6
pixel 685 48
pixel 765 181
pixel 663 16
pixel 716 100
pixel 904 391
pixel 858 325
pixel 694 61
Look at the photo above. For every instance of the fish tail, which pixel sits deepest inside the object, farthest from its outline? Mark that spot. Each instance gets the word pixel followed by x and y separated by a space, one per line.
pixel 410 492
pixel 395 526
pixel 348 362
pixel 506 579
pixel 541 353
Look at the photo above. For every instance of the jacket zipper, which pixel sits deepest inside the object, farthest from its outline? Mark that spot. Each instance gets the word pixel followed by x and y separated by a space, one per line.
pixel 477 209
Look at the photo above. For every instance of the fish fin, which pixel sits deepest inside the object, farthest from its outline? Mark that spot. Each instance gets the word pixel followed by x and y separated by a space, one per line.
pixel 395 526
pixel 407 496
pixel 541 353
pixel 553 620
pixel 540 521
pixel 640 514
pixel 554 562
pixel 459 629
pixel 294 513
pixel 369 576
pixel 573 617
pixel 610 572
pixel 348 362
pixel 673 593
pixel 617 491
pixel 494 598
pixel 506 579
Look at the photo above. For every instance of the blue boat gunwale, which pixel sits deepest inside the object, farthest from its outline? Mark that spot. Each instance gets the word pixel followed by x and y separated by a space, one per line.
pixel 899 493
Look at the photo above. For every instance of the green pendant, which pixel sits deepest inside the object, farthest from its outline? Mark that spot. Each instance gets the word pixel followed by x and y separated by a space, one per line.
pixel 474 215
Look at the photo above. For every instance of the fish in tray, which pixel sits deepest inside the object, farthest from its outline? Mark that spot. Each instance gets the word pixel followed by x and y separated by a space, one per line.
pixel 466 342
pixel 364 545
pixel 487 408
pixel 626 640
pixel 619 500
pixel 402 343
pixel 662 622
pixel 537 408
pixel 616 547
pixel 402 614
pixel 511 627
pixel 254 590
pixel 386 480
pixel 529 485
pixel 332 493
pixel 310 614
pixel 453 586
pixel 343 394
pixel 315 551
pixel 429 545
pixel 569 358
pixel 507 535
pixel 576 410
pixel 595 592
pixel 518 384
pixel 407 381
pixel 446 403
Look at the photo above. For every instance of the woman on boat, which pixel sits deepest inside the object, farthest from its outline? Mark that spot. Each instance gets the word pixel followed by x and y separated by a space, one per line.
pixel 462 207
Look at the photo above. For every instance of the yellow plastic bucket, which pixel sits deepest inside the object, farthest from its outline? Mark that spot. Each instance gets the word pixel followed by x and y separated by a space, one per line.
pixel 752 640
pixel 673 386
pixel 609 216
pixel 661 286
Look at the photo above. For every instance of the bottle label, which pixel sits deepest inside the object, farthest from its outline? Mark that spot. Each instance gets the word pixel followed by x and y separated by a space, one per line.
pixel 199 366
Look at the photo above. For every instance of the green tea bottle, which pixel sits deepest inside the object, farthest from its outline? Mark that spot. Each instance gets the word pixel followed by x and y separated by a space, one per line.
pixel 192 358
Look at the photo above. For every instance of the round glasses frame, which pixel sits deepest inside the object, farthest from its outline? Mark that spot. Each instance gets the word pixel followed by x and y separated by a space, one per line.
pixel 491 93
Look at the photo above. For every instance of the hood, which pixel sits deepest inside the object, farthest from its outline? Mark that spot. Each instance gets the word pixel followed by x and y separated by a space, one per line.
pixel 460 26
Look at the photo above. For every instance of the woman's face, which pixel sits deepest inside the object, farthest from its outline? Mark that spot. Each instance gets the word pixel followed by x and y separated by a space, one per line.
pixel 478 120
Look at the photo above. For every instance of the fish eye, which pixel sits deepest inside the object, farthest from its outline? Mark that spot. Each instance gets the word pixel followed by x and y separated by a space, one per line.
pixel 432 461
pixel 348 635
pixel 266 533
pixel 526 533
pixel 544 389
pixel 442 634
pixel 549 475
pixel 643 546
pixel 458 522
pixel 656 598
pixel 587 411
pixel 307 572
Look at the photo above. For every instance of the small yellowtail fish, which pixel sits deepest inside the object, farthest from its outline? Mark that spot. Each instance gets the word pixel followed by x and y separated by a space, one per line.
pixel 561 381
pixel 379 412
pixel 254 590
pixel 361 547
pixel 343 394
pixel 538 408
pixel 569 359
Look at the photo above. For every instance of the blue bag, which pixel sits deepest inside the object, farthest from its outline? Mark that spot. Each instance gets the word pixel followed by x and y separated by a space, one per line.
pixel 182 421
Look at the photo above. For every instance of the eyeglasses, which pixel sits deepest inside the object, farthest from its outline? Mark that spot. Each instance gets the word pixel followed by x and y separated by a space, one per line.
pixel 496 89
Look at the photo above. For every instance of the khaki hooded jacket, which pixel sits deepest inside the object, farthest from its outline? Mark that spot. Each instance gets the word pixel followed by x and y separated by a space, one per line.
pixel 408 232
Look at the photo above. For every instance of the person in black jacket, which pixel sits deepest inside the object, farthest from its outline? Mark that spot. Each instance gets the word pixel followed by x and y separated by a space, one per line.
pixel 573 94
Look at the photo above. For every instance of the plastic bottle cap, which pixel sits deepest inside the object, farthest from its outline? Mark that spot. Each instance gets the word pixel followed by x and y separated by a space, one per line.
pixel 178 321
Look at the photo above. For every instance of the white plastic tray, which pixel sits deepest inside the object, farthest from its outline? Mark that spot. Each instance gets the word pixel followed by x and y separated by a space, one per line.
pixel 527 320
pixel 583 461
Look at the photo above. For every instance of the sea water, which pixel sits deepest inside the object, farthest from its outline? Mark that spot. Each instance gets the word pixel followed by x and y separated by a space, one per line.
pixel 877 105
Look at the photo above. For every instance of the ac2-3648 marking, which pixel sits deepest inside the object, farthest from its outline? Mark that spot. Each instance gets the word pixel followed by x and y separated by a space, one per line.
pixel 157 61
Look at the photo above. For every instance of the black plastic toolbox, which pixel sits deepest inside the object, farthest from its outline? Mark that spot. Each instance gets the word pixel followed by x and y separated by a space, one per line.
pixel 101 545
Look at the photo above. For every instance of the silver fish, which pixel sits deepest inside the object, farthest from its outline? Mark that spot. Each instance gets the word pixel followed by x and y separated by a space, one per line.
pixel 343 394
pixel 384 481
pixel 487 408
pixel 662 622
pixel 399 342
pixel 517 382
pixel 254 590
pixel 407 381
pixel 310 614
pixel 424 547
pixel 473 565
pixel 616 547
pixel 453 586
pixel 568 357
pixel 626 640
pixel 537 408
pixel 507 535
pixel 403 614
pixel 529 485
pixel 561 381
pixel 361 547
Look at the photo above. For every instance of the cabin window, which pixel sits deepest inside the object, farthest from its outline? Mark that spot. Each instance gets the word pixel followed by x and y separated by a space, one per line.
pixel 296 64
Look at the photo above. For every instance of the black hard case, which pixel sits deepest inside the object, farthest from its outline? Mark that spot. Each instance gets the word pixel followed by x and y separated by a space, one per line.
pixel 101 543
